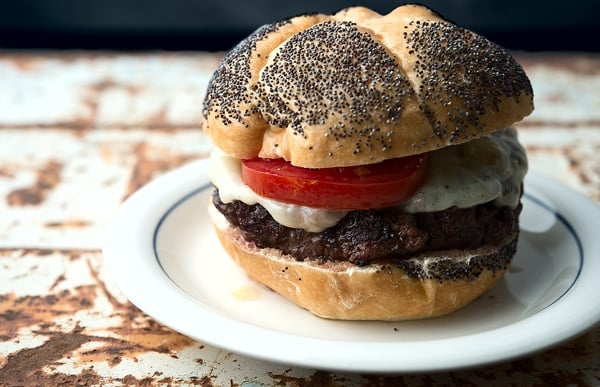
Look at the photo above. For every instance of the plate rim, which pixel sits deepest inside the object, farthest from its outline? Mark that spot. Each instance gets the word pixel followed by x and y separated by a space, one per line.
pixel 181 183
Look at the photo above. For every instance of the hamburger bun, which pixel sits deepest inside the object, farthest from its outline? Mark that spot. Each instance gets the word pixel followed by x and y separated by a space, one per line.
pixel 358 88
pixel 379 291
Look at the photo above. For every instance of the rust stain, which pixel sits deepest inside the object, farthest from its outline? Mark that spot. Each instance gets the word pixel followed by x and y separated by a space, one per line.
pixel 26 63
pixel 534 123
pixel 47 177
pixel 160 117
pixel 107 84
pixel 21 366
pixel 134 335
pixel 152 161
pixel 69 223
pixel 581 164
pixel 26 311
pixel 5 172
pixel 91 100
pixel 582 64
pixel 131 345
pixel 319 378
pixel 57 281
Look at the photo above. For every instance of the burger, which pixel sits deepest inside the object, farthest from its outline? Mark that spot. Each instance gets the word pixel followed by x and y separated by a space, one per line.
pixel 365 166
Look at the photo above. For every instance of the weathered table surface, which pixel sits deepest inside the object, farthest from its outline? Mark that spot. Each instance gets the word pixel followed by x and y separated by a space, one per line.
pixel 79 132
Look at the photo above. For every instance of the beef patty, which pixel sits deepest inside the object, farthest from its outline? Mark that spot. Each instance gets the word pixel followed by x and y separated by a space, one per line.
pixel 383 234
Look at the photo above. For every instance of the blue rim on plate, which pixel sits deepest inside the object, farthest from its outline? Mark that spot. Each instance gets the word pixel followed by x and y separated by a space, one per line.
pixel 561 218
pixel 179 202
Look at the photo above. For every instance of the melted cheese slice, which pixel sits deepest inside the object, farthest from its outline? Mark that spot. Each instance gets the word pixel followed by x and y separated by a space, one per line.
pixel 487 169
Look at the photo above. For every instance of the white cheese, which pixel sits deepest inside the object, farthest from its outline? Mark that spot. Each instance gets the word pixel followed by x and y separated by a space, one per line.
pixel 491 168
pixel 225 174
pixel 476 172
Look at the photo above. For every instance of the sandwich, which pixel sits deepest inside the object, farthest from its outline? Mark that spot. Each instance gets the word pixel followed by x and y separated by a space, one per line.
pixel 365 166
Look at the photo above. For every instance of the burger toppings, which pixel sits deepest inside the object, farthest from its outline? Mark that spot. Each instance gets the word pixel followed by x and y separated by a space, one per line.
pixel 466 198
pixel 489 169
pixel 360 187
pixel 362 237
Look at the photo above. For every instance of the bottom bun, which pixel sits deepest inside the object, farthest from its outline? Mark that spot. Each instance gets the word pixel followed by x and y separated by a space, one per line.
pixel 378 291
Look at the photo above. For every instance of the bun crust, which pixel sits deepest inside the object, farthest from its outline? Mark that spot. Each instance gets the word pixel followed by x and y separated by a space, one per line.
pixel 358 88
pixel 341 290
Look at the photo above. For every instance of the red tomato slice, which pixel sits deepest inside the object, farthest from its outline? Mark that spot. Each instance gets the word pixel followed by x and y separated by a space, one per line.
pixel 358 187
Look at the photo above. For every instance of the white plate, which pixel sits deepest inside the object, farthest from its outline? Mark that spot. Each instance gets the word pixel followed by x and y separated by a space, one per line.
pixel 162 253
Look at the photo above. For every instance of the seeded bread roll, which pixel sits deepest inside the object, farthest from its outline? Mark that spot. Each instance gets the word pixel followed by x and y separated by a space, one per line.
pixel 358 88
pixel 421 287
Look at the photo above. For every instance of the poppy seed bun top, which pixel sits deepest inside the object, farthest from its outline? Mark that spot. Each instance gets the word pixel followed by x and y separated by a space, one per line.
pixel 358 88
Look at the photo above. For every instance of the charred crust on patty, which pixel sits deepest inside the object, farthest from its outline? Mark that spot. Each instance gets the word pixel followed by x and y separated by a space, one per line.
pixel 390 238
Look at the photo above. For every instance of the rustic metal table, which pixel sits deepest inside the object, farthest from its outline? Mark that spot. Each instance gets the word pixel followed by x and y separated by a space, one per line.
pixel 80 132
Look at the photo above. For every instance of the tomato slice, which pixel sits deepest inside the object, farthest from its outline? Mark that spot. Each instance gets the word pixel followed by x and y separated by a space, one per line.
pixel 358 187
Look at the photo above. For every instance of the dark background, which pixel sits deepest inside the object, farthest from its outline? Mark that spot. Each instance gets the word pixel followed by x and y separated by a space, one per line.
pixel 218 24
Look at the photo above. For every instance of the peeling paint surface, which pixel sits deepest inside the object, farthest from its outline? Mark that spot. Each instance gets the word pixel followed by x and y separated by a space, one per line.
pixel 80 132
